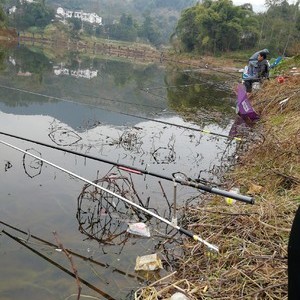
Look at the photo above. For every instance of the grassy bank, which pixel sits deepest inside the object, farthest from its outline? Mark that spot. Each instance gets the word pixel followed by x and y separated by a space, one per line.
pixel 253 239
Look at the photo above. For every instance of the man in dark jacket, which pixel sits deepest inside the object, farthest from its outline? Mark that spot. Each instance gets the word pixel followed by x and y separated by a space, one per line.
pixel 261 70
pixel 262 66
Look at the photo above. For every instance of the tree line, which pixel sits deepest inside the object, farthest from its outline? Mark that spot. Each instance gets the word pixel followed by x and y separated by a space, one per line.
pixel 207 27
pixel 219 26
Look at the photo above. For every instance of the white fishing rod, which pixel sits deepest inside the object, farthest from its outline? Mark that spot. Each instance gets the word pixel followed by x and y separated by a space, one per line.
pixel 182 230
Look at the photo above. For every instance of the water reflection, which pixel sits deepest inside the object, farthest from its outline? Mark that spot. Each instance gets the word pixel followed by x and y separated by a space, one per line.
pixel 93 105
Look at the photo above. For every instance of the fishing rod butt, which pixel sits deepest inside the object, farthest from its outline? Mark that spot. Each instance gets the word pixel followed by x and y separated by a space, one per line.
pixel 211 247
pixel 232 195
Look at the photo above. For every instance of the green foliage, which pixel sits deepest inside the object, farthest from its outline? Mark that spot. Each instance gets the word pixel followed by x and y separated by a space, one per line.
pixel 125 30
pixel 219 26
pixel 75 23
pixel 2 58
pixel 189 94
pixel 279 26
pixel 165 14
pixel 117 7
pixel 150 31
pixel 35 14
pixel 3 18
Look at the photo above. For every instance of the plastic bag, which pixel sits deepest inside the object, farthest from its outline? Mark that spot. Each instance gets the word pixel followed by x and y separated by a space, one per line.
pixel 139 229
pixel 148 263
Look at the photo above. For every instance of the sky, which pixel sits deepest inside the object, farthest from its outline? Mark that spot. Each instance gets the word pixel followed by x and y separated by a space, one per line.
pixel 258 5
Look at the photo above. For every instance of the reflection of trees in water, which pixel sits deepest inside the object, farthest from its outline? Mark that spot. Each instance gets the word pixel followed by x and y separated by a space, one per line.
pixel 2 58
pixel 31 61
pixel 190 94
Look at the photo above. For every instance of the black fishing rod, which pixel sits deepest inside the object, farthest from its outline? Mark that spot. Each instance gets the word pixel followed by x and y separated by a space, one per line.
pixel 195 237
pixel 85 258
pixel 138 171
pixel 18 240
pixel 127 114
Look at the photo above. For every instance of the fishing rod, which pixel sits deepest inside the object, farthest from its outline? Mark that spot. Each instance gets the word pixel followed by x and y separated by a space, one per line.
pixel 119 101
pixel 126 114
pixel 85 258
pixel 18 240
pixel 206 66
pixel 190 234
pixel 138 171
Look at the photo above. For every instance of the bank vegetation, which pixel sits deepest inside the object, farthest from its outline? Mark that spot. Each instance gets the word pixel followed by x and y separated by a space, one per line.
pixel 253 239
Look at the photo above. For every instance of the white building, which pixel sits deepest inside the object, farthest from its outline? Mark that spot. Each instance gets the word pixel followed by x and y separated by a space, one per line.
pixel 79 73
pixel 28 1
pixel 92 18
pixel 12 10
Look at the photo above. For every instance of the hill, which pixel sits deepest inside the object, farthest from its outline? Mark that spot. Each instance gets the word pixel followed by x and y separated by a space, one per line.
pixel 113 9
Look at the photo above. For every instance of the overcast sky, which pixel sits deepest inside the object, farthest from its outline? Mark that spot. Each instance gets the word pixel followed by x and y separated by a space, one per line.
pixel 258 5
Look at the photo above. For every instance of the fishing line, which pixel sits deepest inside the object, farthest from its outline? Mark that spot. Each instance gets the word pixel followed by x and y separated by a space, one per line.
pixel 154 95
pixel 203 67
pixel 169 86
pixel 72 101
pixel 182 230
pixel 130 169
pixel 119 101
pixel 127 114
pixel 222 87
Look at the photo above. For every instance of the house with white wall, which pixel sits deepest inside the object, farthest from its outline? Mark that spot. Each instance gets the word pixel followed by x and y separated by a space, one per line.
pixel 92 18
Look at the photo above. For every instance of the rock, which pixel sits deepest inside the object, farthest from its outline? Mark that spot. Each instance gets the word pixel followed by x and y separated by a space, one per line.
pixel 179 296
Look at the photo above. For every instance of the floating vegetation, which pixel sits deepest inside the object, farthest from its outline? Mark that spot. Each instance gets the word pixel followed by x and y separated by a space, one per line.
pixel 63 136
pixel 32 166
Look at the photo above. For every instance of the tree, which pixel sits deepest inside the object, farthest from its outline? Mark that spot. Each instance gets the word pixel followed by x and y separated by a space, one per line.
pixel 279 26
pixel 3 18
pixel 217 26
pixel 150 31
pixel 125 30
pixel 33 14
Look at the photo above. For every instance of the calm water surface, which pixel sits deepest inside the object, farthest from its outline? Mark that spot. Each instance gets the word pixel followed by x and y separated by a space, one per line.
pixel 108 109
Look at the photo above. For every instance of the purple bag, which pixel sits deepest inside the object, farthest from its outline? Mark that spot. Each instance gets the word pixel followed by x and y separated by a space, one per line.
pixel 244 108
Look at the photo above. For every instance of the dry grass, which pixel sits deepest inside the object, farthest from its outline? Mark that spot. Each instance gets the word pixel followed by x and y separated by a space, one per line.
pixel 253 239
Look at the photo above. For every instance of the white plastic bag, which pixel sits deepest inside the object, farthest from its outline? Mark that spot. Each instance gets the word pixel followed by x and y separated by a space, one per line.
pixel 139 229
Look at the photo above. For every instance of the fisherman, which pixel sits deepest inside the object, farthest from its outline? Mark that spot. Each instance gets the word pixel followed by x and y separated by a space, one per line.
pixel 261 70
pixel 262 66
pixel 254 57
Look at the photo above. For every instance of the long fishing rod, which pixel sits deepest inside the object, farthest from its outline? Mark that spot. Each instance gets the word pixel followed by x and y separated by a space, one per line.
pixel 182 230
pixel 125 114
pixel 18 240
pixel 127 168
pixel 85 258
pixel 206 66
